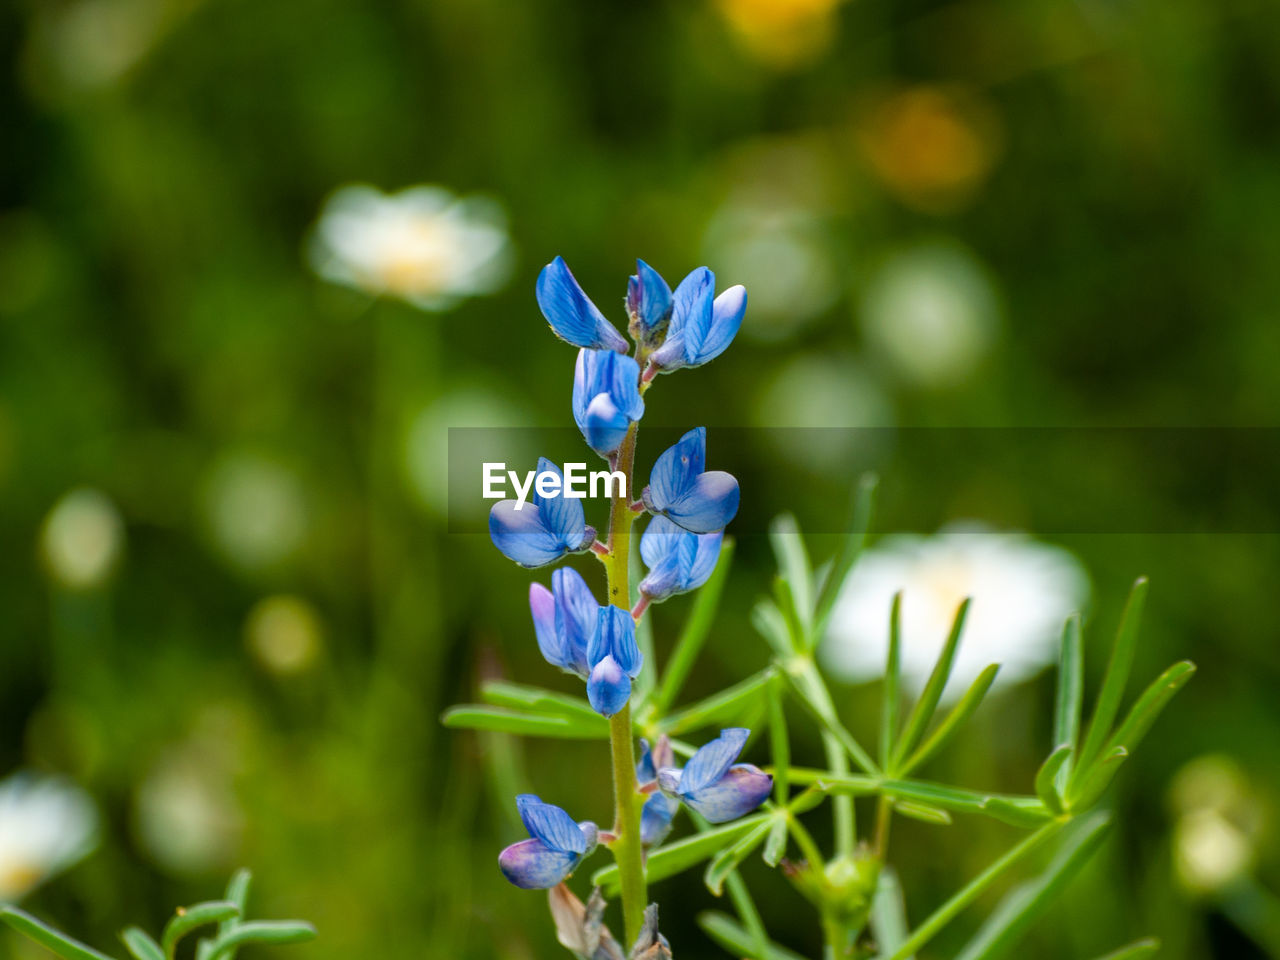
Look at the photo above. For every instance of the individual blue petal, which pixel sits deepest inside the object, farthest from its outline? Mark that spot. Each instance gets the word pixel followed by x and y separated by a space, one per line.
pixel 726 319
pixel 648 302
pixel 542 604
pixel 652 760
pixel 550 824
pixel 571 313
pixel 615 637
pixel 680 490
pixel 678 560
pixel 532 865
pixel 712 760
pixel 576 614
pixel 740 790
pixel 563 515
pixel 701 327
pixel 522 535
pixel 655 819
pixel 606 398
pixel 608 687
pixel 676 467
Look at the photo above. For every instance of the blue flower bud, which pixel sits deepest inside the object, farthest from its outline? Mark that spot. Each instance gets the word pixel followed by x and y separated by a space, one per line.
pixel 564 618
pixel 571 313
pixel 542 529
pixel 648 303
pixel 606 398
pixel 682 490
pixel 713 785
pixel 702 324
pixel 678 561
pixel 556 847
pixel 615 660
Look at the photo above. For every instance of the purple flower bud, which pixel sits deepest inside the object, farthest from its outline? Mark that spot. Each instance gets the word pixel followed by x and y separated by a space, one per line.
pixel 713 785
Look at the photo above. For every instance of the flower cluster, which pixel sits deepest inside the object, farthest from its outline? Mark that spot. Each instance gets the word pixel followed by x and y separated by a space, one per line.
pixel 689 507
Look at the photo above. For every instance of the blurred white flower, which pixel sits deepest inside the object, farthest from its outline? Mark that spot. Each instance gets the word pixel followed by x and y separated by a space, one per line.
pixel 1022 592
pixel 283 633
pixel 82 539
pixel 422 244
pixel 46 825
pixel 932 313
pixel 255 510
pixel 186 813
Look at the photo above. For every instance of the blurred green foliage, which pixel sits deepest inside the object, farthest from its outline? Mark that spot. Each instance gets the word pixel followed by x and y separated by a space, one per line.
pixel 1101 176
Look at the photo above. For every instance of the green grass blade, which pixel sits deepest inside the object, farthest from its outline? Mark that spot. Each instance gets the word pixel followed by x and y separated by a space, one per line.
pixel 888 912
pixel 1149 706
pixel 1047 778
pixel 922 713
pixel 1070 698
pixel 696 628
pixel 1113 682
pixel 677 857
pixel 1145 947
pixel 779 744
pixel 139 943
pixel 864 499
pixel 954 720
pixel 64 946
pixel 726 707
pixel 727 860
pixel 734 938
pixel 892 683
pixel 795 570
pixel 1024 905
pixel 972 890
pixel 187 919
pixel 470 716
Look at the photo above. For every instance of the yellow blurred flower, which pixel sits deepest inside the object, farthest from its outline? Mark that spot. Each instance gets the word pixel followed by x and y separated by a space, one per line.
pixel 82 539
pixel 781 33
pixel 283 633
pixel 1220 820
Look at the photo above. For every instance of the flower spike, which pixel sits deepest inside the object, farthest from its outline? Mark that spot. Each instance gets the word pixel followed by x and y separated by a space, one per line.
pixel 606 398
pixel 556 846
pixel 682 490
pixel 572 315
pixel 564 619
pixel 678 561
pixel 713 785
pixel 702 324
pixel 615 660
pixel 541 530
pixel 648 304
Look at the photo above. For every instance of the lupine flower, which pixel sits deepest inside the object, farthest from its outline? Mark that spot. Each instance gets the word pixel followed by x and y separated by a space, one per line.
pixel 682 490
pixel 565 618
pixel 1022 591
pixel 572 315
pixel 543 529
pixel 678 561
pixel 648 303
pixel 615 660
pixel 702 324
pixel 606 398
pixel 423 245
pixel 556 846
pixel 46 825
pixel 655 818
pixel 713 785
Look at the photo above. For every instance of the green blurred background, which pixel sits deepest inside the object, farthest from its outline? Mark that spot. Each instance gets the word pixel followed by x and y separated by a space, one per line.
pixel 1087 189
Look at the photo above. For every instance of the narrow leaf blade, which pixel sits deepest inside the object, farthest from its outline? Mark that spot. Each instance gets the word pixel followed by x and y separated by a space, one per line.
pixel 64 946
pixel 1070 697
pixel 469 716
pixel 954 720
pixel 922 713
pixel 864 499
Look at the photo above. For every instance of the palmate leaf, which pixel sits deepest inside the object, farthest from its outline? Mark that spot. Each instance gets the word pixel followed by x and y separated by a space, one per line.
pixel 731 935
pixel 64 946
pixel 677 857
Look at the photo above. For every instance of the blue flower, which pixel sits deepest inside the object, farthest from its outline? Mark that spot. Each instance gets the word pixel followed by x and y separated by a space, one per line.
pixel 648 303
pixel 713 785
pixel 556 847
pixel 571 313
pixel 542 529
pixel 655 818
pixel 606 398
pixel 681 490
pixel 702 324
pixel 678 561
pixel 564 619
pixel 615 660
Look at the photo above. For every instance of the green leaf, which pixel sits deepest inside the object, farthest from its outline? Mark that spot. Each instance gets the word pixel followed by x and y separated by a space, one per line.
pixel 972 890
pixel 186 919
pixel 772 625
pixel 734 938
pixel 64 946
pixel 140 944
pixel 501 693
pixel 1047 775
pixel 726 707
pixel 276 932
pixel 779 745
pixel 1095 782
pixel 1024 905
pixel 1113 682
pixel 237 893
pixel 1017 810
pixel 888 912
pixel 775 847
pixel 892 683
pixel 705 604
pixel 925 812
pixel 1134 951
pixel 922 713
pixel 677 857
pixel 864 497
pixel 1070 698
pixel 813 695
pixel 954 720
pixel 796 572
pixel 727 860
pixel 469 716
pixel 1149 706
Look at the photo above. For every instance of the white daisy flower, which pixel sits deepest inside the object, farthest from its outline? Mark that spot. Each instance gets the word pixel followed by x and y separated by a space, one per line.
pixel 1022 593
pixel 423 244
pixel 46 825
